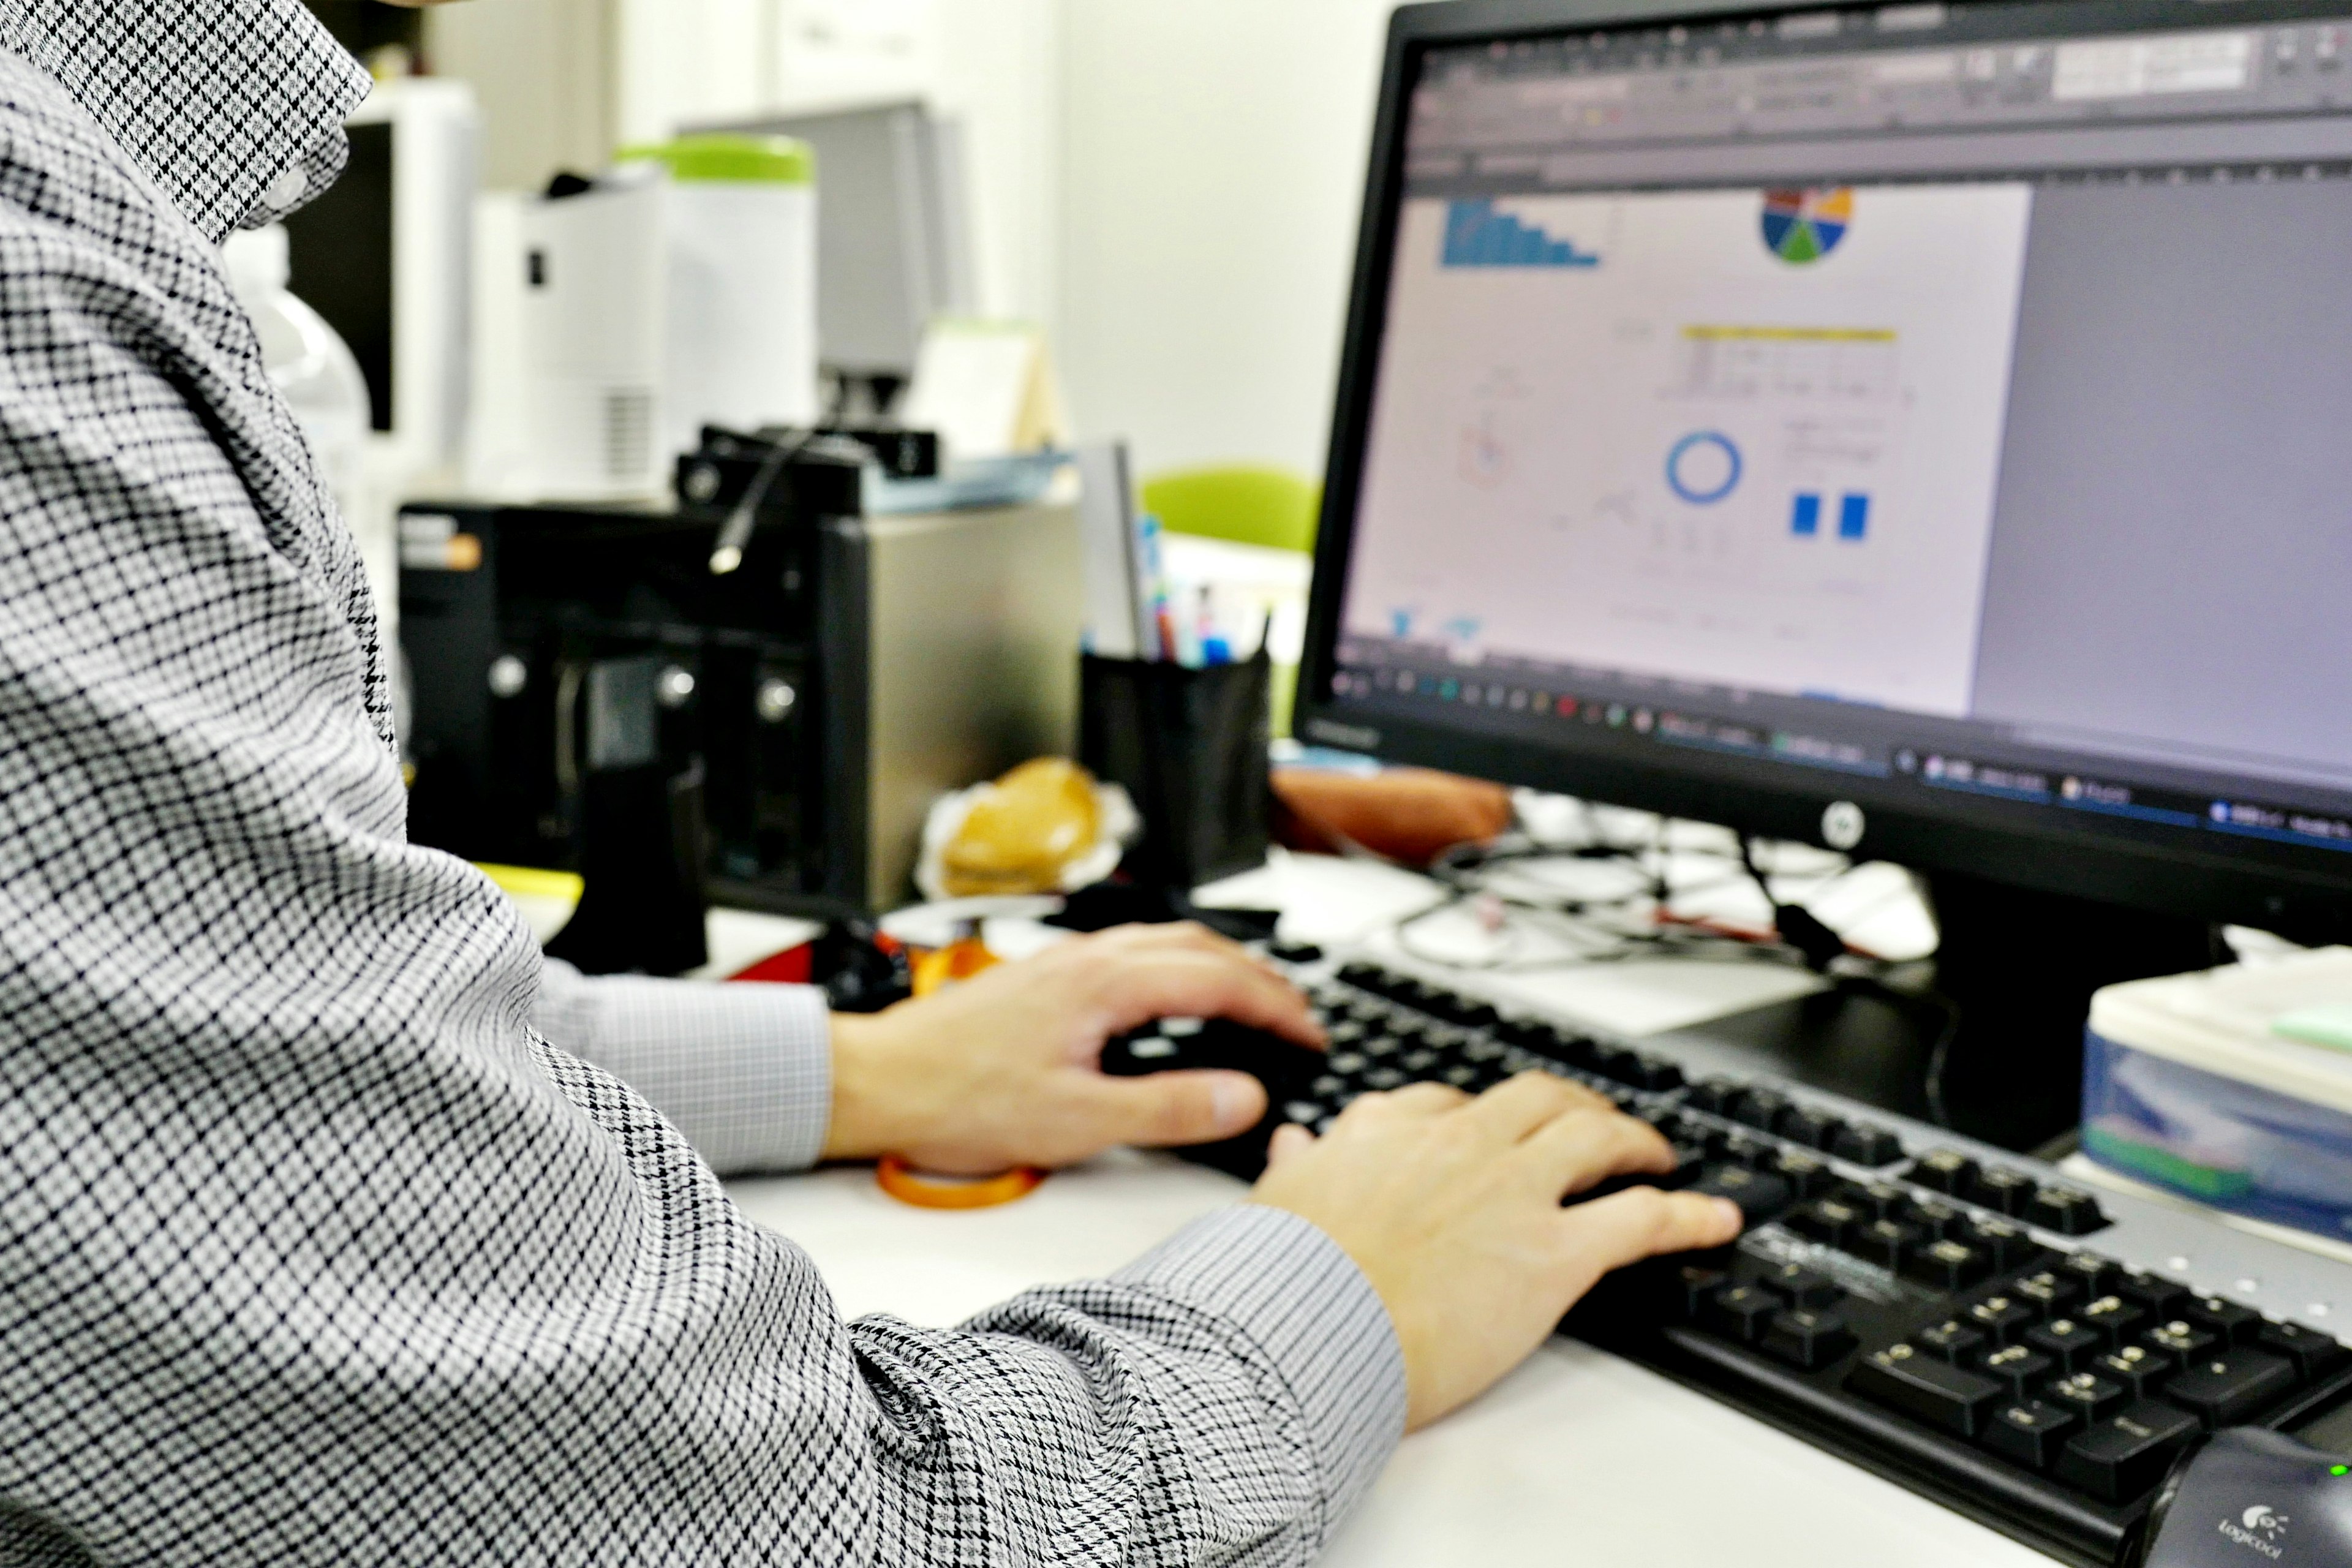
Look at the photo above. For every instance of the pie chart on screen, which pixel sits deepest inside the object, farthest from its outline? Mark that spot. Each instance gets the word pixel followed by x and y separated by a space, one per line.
pixel 1802 226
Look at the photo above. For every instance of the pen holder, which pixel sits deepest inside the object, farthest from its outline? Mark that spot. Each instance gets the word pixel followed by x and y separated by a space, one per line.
pixel 1190 747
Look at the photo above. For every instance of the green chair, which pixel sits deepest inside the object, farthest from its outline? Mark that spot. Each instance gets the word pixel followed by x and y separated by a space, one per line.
pixel 1270 507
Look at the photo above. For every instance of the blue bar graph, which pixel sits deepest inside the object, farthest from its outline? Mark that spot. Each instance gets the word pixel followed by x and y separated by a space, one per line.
pixel 1478 235
pixel 1806 520
pixel 1854 516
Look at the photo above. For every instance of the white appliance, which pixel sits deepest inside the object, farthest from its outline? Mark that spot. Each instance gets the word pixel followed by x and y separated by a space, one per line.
pixel 678 291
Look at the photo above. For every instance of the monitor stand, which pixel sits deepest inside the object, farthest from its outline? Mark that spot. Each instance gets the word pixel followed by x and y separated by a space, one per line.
pixel 2020 968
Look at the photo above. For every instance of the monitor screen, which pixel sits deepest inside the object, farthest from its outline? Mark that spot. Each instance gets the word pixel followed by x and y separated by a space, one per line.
pixel 341 247
pixel 1943 409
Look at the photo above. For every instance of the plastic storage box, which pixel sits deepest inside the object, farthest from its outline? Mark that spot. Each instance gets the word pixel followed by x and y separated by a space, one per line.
pixel 2221 1086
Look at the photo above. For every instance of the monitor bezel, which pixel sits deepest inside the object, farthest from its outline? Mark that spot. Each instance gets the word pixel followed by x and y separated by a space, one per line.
pixel 2306 892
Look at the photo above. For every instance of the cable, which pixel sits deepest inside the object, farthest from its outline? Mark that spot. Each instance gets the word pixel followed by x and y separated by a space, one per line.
pixel 727 554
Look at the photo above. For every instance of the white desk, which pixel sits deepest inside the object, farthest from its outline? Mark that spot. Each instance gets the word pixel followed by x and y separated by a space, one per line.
pixel 1578 1458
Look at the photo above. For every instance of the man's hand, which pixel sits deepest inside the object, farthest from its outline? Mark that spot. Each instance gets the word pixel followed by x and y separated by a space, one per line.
pixel 1451 1207
pixel 1002 1070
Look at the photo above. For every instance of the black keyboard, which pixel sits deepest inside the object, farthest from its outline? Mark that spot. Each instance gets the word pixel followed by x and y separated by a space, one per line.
pixel 1954 1316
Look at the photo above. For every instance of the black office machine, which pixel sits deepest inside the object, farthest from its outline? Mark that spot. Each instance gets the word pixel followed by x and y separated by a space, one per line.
pixel 827 672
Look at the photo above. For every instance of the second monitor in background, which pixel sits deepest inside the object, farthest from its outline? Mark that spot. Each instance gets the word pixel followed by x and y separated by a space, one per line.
pixel 894 237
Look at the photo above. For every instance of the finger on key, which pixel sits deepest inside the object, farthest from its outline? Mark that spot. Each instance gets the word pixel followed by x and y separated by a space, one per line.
pixel 1513 1110
pixel 1413 1099
pixel 1584 1146
pixel 1642 1222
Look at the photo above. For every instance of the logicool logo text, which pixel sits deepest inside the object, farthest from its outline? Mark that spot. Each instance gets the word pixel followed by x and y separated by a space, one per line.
pixel 2261 1527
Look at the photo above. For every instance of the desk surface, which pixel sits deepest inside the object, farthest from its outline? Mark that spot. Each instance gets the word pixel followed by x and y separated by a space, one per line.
pixel 1578 1457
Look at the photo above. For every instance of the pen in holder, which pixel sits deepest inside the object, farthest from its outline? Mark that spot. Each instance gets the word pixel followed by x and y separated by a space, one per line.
pixel 1190 747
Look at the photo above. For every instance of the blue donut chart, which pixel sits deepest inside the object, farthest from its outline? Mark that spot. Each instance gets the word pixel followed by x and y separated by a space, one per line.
pixel 1694 442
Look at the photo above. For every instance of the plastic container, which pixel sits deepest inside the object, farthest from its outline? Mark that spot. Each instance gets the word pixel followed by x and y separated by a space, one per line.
pixel 2194 1084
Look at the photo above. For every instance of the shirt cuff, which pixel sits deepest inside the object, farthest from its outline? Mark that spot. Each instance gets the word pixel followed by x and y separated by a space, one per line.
pixel 1291 1291
pixel 743 1071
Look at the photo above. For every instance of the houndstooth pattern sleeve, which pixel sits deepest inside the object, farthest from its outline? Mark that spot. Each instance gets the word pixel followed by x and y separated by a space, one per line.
pixel 744 1071
pixel 312 1249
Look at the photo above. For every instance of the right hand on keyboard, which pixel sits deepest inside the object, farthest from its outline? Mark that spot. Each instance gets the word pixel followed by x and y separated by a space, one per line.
pixel 1451 1207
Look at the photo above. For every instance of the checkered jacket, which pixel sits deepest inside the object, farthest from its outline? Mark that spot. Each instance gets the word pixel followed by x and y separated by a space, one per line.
pixel 313 1247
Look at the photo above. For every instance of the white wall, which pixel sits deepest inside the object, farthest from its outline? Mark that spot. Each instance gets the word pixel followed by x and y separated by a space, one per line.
pixel 543 72
pixel 1171 186
pixel 994 65
pixel 1213 164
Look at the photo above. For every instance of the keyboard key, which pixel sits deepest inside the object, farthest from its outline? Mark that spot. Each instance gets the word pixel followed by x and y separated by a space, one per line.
pixel 2087 1395
pixel 2181 1338
pixel 1951 1340
pixel 2137 1367
pixel 1808 1337
pixel 2314 1353
pixel 1462 1075
pixel 2229 1321
pixel 1879 1200
pixel 1690 1164
pixel 2007 1244
pixel 2066 1210
pixel 2065 1341
pixel 1949 1398
pixel 1714 1095
pixel 1885 1242
pixel 1800 1286
pixel 1827 1220
pixel 2224 1389
pixel 2003 1319
pixel 1761 1197
pixel 2117 1321
pixel 1938 1218
pixel 2008 1192
pixel 1810 1126
pixel 2095 1274
pixel 2122 1457
pixel 2163 1298
pixel 1384 1079
pixel 1746 1149
pixel 1741 1311
pixel 1865 1145
pixel 1759 1108
pixel 2046 1292
pixel 2021 1369
pixel 1617 1062
pixel 1654 1074
pixel 1807 1176
pixel 1948 1265
pixel 1946 1171
pixel 1417 1062
pixel 1347 1063
pixel 2030 1432
pixel 1306 1112
pixel 1328 1085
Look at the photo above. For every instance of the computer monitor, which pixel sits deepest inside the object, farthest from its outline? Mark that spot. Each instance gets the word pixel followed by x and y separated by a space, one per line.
pixel 1921 428
pixel 894 235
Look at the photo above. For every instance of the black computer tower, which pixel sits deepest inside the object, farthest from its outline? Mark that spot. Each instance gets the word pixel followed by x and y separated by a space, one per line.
pixel 828 688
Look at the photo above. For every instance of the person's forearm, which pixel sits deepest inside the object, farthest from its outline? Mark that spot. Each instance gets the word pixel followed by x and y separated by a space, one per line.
pixel 745 1071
